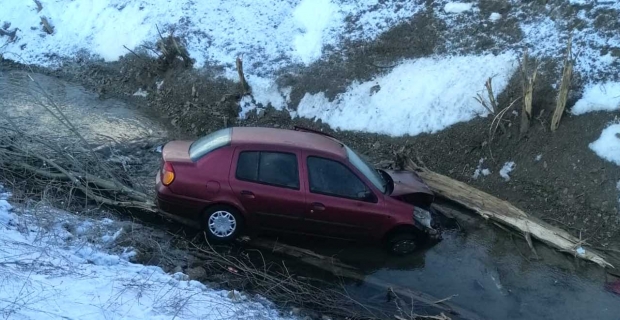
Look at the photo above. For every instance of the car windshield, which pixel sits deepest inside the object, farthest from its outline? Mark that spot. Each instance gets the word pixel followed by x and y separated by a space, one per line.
pixel 366 169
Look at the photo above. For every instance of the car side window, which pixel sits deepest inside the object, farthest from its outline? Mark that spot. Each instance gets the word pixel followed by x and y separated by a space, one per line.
pixel 333 178
pixel 273 168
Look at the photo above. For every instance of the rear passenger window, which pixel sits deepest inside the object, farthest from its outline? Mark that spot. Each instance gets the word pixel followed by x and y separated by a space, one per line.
pixel 273 168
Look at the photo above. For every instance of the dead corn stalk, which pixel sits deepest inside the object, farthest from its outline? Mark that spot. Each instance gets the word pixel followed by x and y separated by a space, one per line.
pixel 567 73
pixel 529 79
pixel 245 88
pixel 492 105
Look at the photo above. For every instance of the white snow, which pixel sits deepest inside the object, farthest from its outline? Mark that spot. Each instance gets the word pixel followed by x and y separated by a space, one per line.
pixel 495 16
pixel 269 34
pixel 506 169
pixel 607 146
pixel 598 97
pixel 479 170
pixel 457 7
pixel 50 272
pixel 418 96
pixel 313 16
pixel 141 93
pixel 538 157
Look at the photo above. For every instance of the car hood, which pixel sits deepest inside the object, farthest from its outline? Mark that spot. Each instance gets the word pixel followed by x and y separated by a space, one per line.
pixel 407 182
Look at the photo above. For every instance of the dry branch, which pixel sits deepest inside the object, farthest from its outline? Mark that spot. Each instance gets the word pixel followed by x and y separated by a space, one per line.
pixel 490 207
pixel 39 5
pixel 567 73
pixel 47 27
pixel 245 88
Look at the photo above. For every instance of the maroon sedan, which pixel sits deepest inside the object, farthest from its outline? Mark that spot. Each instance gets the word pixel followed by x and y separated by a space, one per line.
pixel 291 181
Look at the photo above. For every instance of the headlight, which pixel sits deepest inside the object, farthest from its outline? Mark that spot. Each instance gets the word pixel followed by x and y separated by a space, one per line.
pixel 422 216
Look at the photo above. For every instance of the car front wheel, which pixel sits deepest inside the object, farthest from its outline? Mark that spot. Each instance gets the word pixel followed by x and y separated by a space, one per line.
pixel 402 243
pixel 222 224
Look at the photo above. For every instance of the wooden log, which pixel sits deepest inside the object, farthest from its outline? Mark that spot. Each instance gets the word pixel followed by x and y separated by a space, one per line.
pixel 490 207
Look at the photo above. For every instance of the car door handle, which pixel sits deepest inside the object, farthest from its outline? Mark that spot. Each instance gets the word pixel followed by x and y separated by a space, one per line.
pixel 247 194
pixel 317 206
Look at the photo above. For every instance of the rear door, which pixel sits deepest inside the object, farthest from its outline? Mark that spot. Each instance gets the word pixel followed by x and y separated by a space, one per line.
pixel 268 184
pixel 335 203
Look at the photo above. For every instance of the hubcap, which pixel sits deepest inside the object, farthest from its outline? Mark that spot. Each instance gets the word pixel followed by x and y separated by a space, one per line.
pixel 222 224
pixel 404 246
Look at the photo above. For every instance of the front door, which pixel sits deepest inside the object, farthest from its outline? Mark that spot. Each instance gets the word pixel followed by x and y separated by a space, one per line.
pixel 268 185
pixel 338 202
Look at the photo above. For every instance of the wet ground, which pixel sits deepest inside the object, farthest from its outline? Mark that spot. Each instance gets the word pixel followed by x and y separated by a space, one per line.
pixel 39 104
pixel 488 271
pixel 484 269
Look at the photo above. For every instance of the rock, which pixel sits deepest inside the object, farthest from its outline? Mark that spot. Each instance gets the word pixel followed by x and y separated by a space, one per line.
pixel 374 89
pixel 232 295
pixel 197 273
pixel 376 145
pixel 324 317
pixel 177 269
pixel 260 114
pixel 295 311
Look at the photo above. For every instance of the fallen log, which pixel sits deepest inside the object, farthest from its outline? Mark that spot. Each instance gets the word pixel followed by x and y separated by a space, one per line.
pixel 490 207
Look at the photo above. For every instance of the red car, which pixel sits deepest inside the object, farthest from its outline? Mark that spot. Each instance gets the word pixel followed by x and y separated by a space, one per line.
pixel 293 181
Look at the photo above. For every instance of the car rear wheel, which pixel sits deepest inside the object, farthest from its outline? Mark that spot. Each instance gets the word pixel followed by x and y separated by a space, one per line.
pixel 402 243
pixel 222 224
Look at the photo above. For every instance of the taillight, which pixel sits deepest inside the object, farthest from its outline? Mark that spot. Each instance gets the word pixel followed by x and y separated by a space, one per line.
pixel 167 174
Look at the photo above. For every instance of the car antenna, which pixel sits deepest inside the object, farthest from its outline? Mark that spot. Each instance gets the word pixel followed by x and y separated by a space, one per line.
pixel 299 128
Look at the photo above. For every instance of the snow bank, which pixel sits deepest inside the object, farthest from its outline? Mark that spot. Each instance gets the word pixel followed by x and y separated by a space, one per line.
pixel 598 97
pixel 457 7
pixel 52 272
pixel 608 144
pixel 506 169
pixel 271 33
pixel 418 96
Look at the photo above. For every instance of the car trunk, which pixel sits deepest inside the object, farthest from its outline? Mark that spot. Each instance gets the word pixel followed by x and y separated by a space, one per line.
pixel 176 151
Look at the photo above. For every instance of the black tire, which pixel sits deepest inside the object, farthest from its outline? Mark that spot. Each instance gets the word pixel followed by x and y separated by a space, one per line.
pixel 402 243
pixel 215 221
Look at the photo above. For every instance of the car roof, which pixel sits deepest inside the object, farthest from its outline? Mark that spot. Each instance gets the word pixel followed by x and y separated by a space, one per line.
pixel 287 138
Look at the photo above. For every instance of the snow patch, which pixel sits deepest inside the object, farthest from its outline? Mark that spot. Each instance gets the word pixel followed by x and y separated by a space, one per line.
pixel 598 97
pixel 538 157
pixel 265 91
pixel 479 170
pixel 506 169
pixel 418 96
pixel 457 7
pixel 141 93
pixel 607 146
pixel 313 16
pixel 495 16
pixel 271 33
pixel 47 277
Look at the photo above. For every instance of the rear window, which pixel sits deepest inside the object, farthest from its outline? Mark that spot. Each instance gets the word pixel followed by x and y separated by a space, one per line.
pixel 210 142
pixel 272 168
